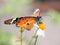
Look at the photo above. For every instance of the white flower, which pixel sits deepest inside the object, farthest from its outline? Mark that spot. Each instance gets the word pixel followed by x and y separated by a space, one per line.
pixel 41 33
pixel 36 25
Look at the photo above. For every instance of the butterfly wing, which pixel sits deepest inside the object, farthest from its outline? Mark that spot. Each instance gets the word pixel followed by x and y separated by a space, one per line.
pixel 8 21
pixel 36 13
pixel 25 22
pixel 29 24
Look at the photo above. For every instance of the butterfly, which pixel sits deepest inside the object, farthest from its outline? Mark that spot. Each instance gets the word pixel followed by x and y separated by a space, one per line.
pixel 26 22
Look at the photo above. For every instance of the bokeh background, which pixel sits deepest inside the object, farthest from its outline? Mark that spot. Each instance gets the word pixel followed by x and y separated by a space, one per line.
pixel 50 12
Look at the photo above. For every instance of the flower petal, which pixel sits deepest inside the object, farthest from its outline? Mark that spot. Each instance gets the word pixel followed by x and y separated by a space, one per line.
pixel 36 25
pixel 41 33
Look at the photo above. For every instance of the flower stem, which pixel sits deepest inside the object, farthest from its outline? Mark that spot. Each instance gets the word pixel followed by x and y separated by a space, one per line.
pixel 30 41
pixel 33 37
pixel 21 38
pixel 21 31
pixel 36 37
pixel 36 32
pixel 36 40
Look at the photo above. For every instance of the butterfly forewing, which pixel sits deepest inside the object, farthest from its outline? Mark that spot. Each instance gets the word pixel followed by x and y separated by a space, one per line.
pixel 25 22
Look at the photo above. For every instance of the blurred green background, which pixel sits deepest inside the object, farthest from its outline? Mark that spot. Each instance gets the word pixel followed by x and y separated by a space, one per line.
pixel 50 12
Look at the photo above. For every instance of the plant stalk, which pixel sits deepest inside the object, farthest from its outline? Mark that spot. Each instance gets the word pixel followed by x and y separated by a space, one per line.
pixel 36 40
pixel 33 36
pixel 21 31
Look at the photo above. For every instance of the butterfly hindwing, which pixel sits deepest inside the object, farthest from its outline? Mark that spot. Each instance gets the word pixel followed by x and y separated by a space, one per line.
pixel 36 13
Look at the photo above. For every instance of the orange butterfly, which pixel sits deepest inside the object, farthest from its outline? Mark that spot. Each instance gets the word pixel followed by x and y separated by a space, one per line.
pixel 26 22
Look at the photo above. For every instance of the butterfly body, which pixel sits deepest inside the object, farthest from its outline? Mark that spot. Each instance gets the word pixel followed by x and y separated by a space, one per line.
pixel 26 22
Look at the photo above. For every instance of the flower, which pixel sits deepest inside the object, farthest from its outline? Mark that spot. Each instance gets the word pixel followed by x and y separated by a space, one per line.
pixel 41 26
pixel 40 31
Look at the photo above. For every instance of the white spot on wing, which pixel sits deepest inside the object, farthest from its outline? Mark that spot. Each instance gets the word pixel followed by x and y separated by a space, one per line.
pixel 13 20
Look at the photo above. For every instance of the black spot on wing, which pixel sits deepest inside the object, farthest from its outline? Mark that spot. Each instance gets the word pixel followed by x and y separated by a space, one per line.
pixel 28 24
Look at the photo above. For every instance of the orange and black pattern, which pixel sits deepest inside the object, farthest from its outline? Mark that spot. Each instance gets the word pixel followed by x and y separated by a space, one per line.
pixel 25 22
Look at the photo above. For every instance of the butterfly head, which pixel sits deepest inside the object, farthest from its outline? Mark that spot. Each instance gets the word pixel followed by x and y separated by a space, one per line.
pixel 38 18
